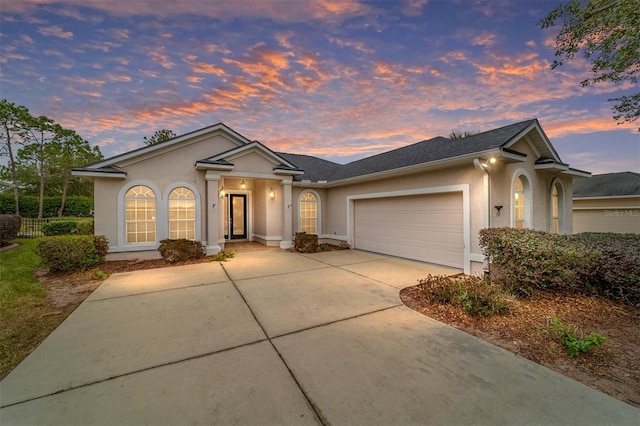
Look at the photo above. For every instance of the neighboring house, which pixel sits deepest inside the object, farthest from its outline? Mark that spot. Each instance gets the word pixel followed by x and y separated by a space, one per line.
pixel 425 201
pixel 607 203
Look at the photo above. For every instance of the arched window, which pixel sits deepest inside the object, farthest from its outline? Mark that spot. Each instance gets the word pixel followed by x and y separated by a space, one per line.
pixel 140 215
pixel 522 203
pixel 557 210
pixel 518 205
pixel 309 213
pixel 182 214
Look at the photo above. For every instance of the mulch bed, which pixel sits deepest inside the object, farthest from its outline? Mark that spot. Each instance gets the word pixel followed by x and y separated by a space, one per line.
pixel 613 368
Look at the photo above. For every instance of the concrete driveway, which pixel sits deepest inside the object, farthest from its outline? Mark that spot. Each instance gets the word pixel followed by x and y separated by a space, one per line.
pixel 272 337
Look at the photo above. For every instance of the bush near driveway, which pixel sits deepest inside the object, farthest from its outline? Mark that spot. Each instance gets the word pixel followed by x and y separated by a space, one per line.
pixel 523 260
pixel 72 252
pixel 173 251
pixel 475 295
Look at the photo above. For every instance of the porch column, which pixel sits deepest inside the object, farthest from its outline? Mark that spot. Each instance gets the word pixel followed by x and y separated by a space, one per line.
pixel 213 207
pixel 287 208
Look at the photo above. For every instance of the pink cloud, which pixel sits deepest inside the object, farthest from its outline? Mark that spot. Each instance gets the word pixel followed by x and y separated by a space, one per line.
pixel 161 59
pixel 55 31
pixel 118 78
pixel 205 68
pixel 484 39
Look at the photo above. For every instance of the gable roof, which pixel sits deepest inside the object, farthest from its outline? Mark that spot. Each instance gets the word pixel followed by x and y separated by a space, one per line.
pixel 608 185
pixel 221 161
pixel 109 166
pixel 315 169
pixel 436 151
pixel 493 142
pixel 432 150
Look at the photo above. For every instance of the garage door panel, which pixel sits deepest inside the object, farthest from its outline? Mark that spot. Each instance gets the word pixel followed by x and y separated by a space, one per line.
pixel 425 227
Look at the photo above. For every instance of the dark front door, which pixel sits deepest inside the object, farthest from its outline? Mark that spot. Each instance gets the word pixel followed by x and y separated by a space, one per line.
pixel 238 216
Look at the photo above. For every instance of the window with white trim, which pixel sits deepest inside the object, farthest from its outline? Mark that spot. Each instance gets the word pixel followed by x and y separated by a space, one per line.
pixel 557 212
pixel 519 204
pixel 182 214
pixel 140 215
pixel 309 213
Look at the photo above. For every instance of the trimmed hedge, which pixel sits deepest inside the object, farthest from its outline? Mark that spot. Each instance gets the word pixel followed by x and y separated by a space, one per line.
pixel 180 250
pixel 71 252
pixel 9 228
pixel 67 227
pixel 74 206
pixel 524 260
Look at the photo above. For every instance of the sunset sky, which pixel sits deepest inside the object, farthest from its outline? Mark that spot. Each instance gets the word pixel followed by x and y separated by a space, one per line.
pixel 336 79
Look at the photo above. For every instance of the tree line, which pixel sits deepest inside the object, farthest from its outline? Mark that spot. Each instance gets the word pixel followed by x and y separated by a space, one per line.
pixel 41 154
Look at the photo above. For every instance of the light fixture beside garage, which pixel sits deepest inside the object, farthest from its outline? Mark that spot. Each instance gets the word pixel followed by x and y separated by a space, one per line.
pixel 243 184
pixel 221 192
pixel 272 194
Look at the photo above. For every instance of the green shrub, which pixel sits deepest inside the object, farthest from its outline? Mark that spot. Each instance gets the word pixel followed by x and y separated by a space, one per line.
pixel 85 227
pixel 59 228
pixel 439 289
pixel 617 274
pixel 179 250
pixel 476 295
pixel 101 244
pixel 223 255
pixel 68 252
pixel 524 260
pixel 565 335
pixel 306 243
pixel 9 228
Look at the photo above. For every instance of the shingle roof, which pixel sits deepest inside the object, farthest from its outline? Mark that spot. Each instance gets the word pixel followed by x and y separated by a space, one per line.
pixel 438 148
pixel 315 169
pixel 608 185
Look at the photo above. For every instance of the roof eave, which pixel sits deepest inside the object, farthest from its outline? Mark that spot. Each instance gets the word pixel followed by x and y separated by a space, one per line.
pixel 211 166
pixel 577 173
pixel 287 172
pixel 98 173
pixel 438 164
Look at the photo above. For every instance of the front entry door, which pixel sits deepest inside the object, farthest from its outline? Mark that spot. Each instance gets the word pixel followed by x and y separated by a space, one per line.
pixel 238 216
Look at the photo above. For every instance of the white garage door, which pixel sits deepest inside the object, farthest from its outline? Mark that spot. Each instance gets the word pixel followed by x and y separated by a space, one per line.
pixel 422 227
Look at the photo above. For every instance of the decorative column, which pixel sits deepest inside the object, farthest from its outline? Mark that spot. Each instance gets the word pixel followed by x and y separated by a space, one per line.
pixel 287 208
pixel 213 207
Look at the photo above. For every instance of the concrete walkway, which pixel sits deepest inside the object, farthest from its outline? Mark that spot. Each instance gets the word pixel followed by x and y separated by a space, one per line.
pixel 272 337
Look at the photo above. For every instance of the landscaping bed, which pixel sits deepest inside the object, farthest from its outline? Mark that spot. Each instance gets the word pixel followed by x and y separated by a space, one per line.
pixel 614 368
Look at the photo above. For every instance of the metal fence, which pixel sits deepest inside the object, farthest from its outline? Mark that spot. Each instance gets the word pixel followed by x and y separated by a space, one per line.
pixel 32 227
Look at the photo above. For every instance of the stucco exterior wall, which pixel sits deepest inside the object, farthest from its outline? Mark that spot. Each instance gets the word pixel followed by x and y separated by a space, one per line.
pixel 503 177
pixel 621 215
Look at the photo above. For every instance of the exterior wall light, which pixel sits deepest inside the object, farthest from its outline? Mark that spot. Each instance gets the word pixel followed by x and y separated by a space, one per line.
pixel 272 194
pixel 498 208
pixel 221 193
pixel 243 184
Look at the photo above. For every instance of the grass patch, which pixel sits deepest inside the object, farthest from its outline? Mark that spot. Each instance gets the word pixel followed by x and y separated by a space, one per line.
pixel 27 318
pixel 17 280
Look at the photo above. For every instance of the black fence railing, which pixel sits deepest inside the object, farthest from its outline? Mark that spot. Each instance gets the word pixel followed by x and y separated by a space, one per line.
pixel 32 227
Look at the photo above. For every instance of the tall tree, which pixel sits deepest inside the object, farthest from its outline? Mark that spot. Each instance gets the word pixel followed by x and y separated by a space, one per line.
pixel 607 32
pixel 160 136
pixel 69 151
pixel 14 120
pixel 37 153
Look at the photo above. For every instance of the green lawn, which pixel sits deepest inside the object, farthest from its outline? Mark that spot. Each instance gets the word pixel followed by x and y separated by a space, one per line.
pixel 24 323
pixel 16 275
